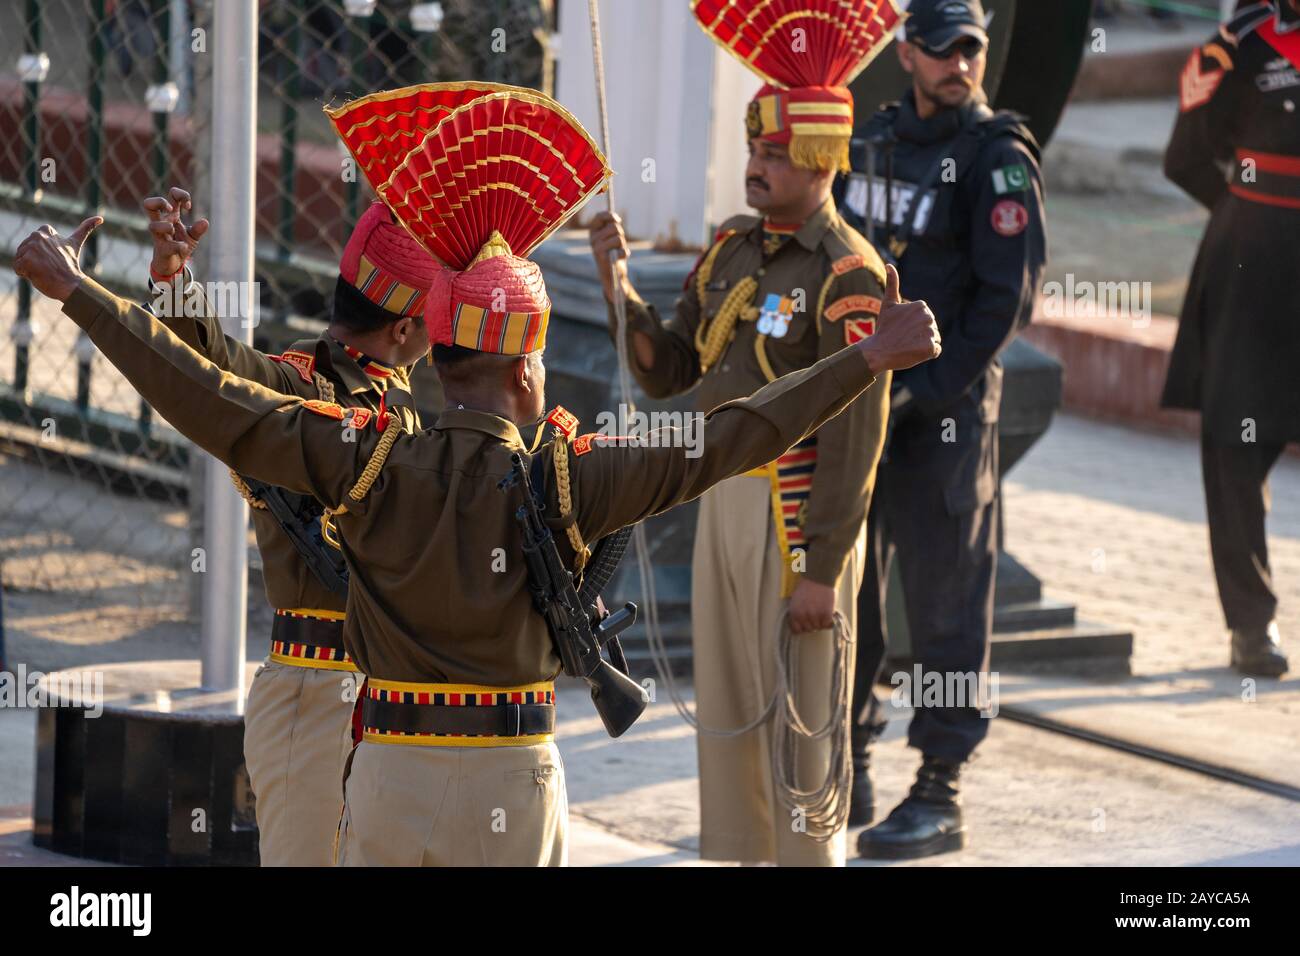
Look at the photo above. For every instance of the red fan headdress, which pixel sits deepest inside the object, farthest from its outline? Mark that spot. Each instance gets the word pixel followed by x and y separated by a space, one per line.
pixel 806 52
pixel 487 173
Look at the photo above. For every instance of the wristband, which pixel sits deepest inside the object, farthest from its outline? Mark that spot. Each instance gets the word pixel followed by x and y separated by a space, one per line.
pixel 157 277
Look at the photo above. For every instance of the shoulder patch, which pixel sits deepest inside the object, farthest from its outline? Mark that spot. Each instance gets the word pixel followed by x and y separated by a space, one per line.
pixel 304 364
pixel 1009 218
pixel 1011 179
pixel 855 330
pixel 848 263
pixel 849 250
pixel 852 303
pixel 360 417
pixel 327 409
pixel 564 420
pixel 1198 82
pixel 583 443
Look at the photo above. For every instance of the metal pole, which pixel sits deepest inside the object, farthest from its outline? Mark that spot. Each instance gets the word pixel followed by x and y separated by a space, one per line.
pixel 84 349
pixel 161 97
pixel 356 37
pixel 292 67
pixel 234 125
pixel 33 66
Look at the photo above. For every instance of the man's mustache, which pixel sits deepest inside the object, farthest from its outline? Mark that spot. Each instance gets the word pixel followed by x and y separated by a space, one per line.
pixel 755 181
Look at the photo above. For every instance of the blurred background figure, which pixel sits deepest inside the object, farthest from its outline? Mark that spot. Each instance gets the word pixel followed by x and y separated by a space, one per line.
pixel 955 199
pixel 1238 343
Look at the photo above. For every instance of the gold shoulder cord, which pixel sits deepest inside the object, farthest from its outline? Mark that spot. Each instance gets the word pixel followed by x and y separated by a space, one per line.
pixel 245 492
pixel 712 338
pixel 821 299
pixel 564 493
pixel 324 389
pixel 370 473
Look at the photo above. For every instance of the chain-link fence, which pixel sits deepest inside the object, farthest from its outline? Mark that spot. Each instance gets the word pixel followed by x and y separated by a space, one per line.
pixel 106 102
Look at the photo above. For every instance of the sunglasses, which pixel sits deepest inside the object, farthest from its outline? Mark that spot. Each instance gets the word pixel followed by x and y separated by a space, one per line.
pixel 969 47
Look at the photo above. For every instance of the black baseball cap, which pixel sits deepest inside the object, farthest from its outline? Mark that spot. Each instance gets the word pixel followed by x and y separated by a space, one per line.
pixel 937 24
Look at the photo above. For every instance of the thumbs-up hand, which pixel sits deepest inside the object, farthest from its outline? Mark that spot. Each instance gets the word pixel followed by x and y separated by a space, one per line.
pixel 906 333
pixel 50 262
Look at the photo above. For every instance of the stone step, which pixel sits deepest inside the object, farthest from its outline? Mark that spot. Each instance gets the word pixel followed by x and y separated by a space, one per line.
pixel 1080 648
pixel 1032 616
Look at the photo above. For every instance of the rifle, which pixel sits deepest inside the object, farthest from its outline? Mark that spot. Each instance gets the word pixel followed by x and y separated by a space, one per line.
pixel 579 625
pixel 299 518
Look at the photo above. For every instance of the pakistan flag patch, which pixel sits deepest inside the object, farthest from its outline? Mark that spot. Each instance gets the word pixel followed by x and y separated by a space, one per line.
pixel 1010 179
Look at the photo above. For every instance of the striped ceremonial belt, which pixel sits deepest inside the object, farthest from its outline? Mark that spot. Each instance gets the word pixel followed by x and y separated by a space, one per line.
pixel 791 478
pixel 306 637
pixel 457 715
pixel 1268 178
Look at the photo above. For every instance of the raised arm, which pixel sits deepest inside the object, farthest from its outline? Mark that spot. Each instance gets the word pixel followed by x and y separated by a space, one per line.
pixel 181 304
pixel 616 484
pixel 306 447
pixel 661 354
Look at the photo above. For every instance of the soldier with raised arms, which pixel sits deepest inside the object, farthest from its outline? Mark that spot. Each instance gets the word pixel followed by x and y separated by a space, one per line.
pixel 457 763
pixel 298 719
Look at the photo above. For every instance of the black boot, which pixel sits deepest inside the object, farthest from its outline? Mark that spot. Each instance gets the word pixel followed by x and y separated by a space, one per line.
pixel 1257 651
pixel 927 822
pixel 862 797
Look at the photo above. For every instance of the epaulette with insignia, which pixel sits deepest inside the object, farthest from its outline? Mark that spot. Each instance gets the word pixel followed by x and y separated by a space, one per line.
pixel 564 421
pixel 326 409
pixel 302 362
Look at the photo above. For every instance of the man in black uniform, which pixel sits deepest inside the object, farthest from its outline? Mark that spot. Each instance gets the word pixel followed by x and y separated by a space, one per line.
pixel 951 190
pixel 1238 343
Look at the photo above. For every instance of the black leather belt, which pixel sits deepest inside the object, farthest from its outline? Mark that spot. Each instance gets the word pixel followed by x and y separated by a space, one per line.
pixel 308 630
pixel 498 720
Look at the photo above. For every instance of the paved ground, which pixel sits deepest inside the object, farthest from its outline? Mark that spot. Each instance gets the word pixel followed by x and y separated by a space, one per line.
pixel 1112 519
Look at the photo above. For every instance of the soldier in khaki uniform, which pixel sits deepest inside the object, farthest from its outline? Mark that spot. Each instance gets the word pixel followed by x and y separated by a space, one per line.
pixel 774 293
pixel 298 719
pixel 457 763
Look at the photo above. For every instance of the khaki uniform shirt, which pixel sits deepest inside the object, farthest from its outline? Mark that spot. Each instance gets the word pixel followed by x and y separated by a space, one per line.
pixel 438 588
pixel 827 282
pixel 290 584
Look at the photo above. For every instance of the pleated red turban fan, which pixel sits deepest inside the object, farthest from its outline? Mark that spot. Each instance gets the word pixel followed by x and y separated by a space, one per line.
pixel 806 52
pixel 478 174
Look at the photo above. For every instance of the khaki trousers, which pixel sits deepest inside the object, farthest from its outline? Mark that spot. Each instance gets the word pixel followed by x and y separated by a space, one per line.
pixel 736 607
pixel 409 805
pixel 297 736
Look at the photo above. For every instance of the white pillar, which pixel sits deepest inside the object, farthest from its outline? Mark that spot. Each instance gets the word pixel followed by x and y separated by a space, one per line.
pixel 677 114
pixel 234 133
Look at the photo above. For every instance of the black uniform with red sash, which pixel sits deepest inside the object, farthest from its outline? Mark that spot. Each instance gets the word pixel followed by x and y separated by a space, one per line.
pixel 1237 355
